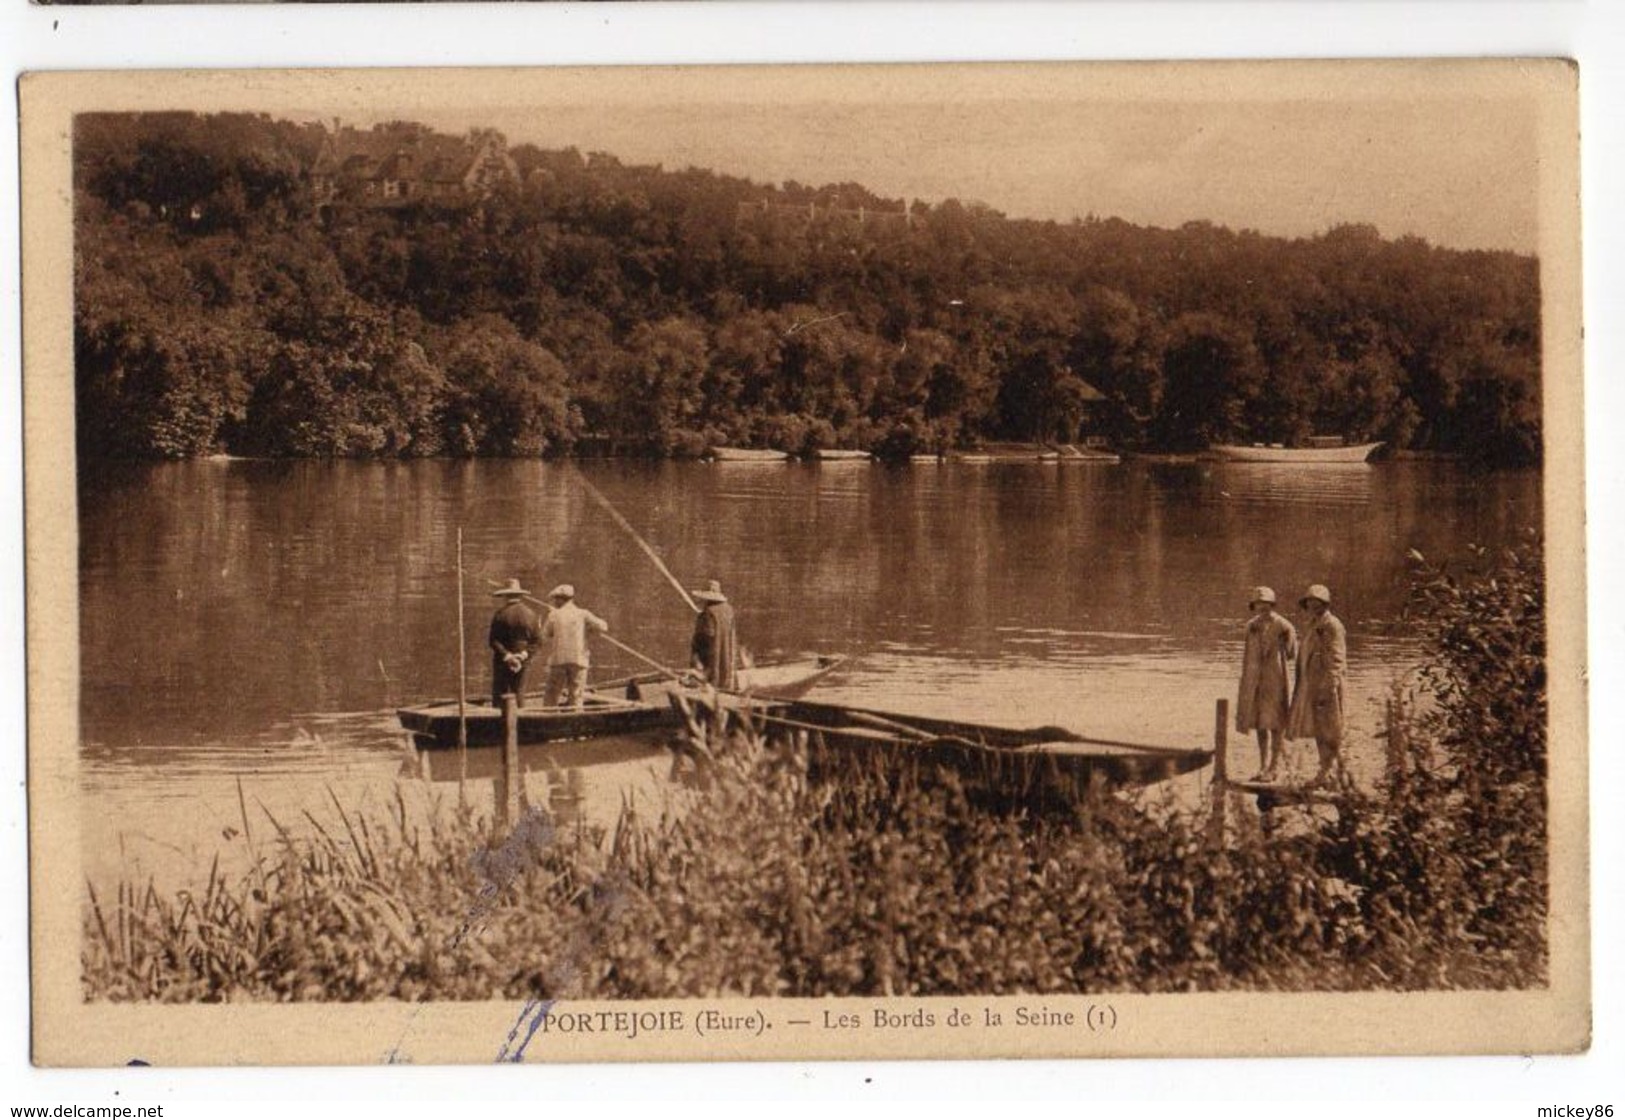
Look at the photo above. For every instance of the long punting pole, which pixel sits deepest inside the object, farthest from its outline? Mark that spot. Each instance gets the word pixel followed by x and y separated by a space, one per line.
pixel 648 550
pixel 462 679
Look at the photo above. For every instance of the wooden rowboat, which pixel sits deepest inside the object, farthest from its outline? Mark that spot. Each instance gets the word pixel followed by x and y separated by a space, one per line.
pixel 644 705
pixel 1010 758
pixel 748 455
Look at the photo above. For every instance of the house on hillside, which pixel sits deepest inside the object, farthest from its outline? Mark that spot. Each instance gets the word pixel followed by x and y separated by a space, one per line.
pixel 1063 407
pixel 1091 404
pixel 397 164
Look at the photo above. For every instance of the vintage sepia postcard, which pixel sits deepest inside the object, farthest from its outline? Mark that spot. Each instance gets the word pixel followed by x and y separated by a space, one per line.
pixel 713 563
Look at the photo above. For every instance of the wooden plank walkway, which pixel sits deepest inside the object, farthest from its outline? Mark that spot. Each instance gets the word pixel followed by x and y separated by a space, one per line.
pixel 1272 794
pixel 1226 793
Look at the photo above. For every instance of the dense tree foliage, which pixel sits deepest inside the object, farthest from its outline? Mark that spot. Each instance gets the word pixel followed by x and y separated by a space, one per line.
pixel 219 305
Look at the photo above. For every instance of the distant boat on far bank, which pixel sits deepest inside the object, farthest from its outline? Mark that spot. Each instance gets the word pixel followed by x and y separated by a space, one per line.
pixel 1072 453
pixel 748 455
pixel 1180 458
pixel 1318 451
pixel 1035 453
pixel 841 455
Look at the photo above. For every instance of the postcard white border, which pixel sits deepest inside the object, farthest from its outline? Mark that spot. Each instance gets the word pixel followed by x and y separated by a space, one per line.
pixel 334 36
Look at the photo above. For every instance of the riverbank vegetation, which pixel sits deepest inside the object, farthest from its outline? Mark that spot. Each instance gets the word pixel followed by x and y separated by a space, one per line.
pixel 234 292
pixel 862 880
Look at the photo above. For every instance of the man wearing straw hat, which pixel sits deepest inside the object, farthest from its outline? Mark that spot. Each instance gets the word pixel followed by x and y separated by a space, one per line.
pixel 1317 698
pixel 715 648
pixel 1263 701
pixel 513 634
pixel 565 635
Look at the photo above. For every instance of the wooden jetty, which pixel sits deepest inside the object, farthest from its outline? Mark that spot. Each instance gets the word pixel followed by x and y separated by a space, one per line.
pixel 1269 797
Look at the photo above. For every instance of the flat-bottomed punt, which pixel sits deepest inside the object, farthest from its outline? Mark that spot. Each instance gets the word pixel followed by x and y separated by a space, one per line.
pixel 644 706
pixel 1013 759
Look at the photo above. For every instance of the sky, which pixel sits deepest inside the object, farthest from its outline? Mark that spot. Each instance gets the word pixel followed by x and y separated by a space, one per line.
pixel 1457 170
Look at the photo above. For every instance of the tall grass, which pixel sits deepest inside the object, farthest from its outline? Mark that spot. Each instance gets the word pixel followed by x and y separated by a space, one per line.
pixel 832 876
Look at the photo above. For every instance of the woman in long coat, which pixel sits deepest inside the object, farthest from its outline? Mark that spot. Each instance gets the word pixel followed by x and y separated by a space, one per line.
pixel 1262 703
pixel 1317 699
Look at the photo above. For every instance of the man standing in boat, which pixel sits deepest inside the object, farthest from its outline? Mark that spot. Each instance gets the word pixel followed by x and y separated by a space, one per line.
pixel 1317 698
pixel 1264 700
pixel 715 648
pixel 513 634
pixel 564 634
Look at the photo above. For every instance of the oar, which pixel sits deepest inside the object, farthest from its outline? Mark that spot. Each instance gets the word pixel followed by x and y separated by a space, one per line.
pixel 1062 735
pixel 624 648
pixel 648 550
pixel 885 724
pixel 877 731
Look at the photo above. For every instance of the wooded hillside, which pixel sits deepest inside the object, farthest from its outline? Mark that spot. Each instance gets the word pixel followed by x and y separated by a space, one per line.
pixel 223 302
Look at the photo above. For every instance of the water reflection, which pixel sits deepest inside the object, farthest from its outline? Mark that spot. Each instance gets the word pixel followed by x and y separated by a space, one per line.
pixel 261 620
pixel 1325 486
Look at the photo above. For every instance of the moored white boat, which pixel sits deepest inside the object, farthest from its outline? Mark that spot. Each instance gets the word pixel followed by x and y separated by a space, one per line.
pixel 1258 453
pixel 841 455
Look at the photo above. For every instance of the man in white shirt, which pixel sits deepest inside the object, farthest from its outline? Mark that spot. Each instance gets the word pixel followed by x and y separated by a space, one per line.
pixel 564 636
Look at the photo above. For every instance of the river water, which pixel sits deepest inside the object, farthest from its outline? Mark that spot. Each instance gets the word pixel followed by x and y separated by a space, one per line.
pixel 251 625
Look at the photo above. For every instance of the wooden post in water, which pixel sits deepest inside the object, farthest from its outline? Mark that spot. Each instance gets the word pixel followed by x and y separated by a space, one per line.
pixel 1221 771
pixel 508 782
pixel 462 682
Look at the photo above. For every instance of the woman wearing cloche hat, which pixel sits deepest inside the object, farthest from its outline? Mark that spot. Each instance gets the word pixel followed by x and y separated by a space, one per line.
pixel 1262 704
pixel 1317 700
